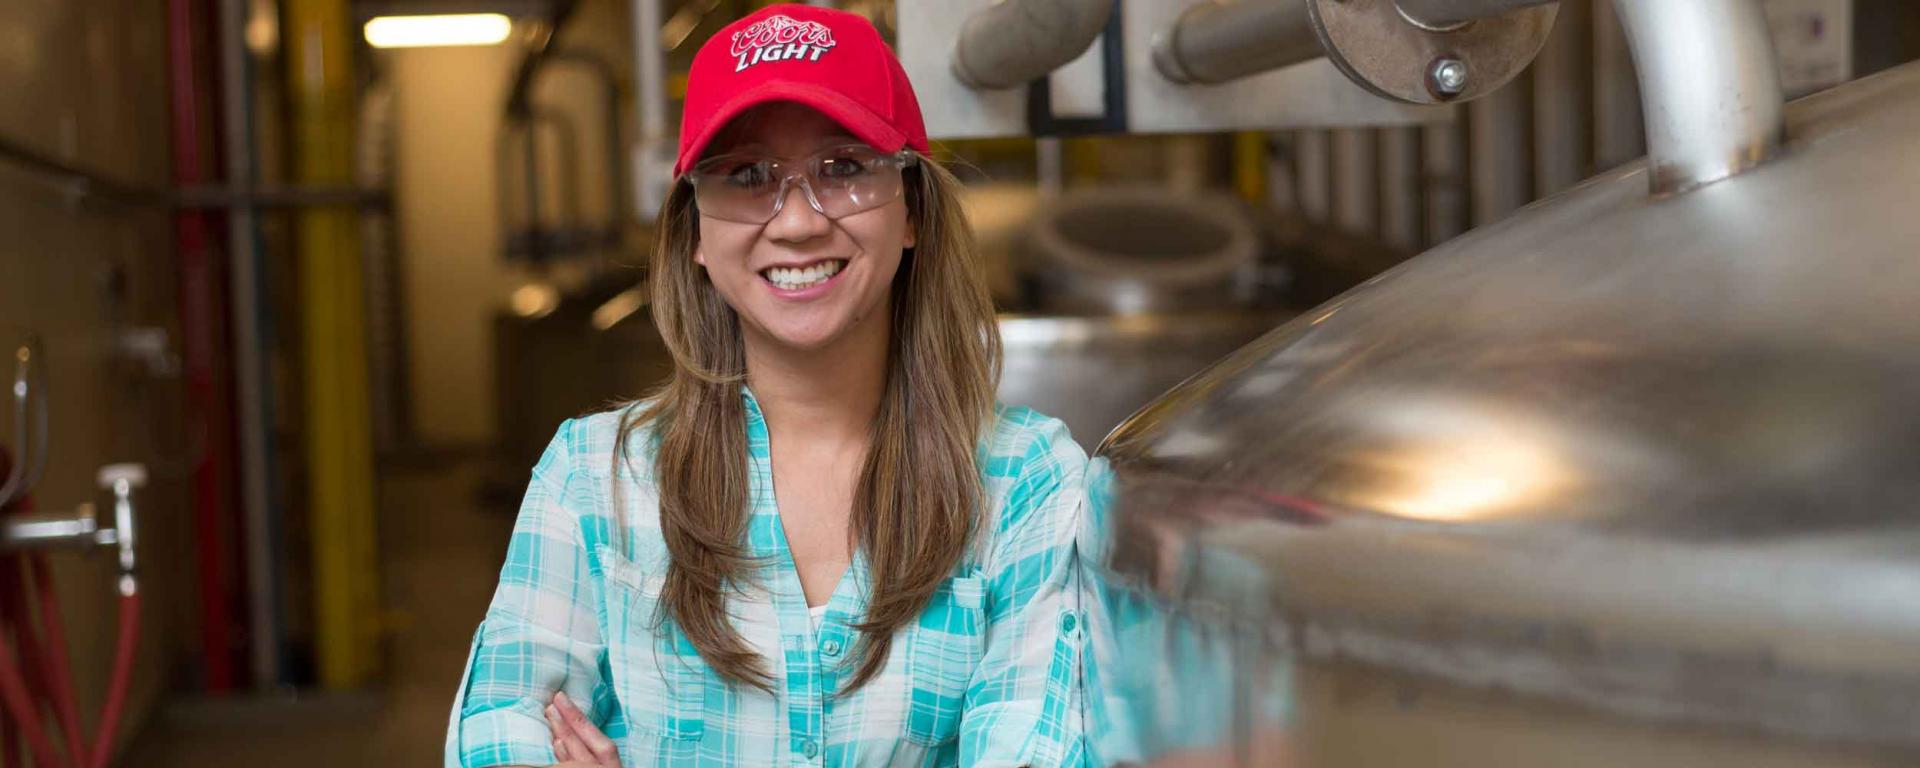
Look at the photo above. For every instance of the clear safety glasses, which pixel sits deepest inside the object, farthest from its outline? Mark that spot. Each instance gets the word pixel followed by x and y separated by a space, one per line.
pixel 750 188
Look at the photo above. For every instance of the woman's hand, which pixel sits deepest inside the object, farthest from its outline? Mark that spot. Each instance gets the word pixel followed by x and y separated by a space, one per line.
pixel 575 739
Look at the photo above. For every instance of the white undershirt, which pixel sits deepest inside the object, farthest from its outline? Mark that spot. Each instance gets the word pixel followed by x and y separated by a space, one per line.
pixel 818 612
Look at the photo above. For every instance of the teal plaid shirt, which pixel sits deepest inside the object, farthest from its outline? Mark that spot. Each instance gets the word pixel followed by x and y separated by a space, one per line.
pixel 990 675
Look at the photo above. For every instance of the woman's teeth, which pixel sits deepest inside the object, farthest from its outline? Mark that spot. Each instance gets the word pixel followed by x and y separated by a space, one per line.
pixel 803 277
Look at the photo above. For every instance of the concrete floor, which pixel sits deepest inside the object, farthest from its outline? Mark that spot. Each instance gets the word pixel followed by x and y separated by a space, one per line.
pixel 442 553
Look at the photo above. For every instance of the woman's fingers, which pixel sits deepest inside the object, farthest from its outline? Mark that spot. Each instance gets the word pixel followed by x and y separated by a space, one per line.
pixel 567 745
pixel 599 747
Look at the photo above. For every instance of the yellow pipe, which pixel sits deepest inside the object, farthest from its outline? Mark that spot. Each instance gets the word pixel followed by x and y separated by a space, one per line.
pixel 339 437
pixel 1250 166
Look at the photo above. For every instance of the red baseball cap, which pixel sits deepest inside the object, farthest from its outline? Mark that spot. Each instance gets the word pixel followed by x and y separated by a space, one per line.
pixel 830 60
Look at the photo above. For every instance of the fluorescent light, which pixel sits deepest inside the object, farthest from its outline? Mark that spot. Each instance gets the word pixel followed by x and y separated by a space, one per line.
pixel 442 30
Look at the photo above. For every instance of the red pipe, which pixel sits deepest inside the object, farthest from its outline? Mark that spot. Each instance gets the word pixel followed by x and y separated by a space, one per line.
pixel 59 668
pixel 122 678
pixel 30 676
pixel 22 702
pixel 203 344
pixel 17 702
pixel 9 743
pixel 43 674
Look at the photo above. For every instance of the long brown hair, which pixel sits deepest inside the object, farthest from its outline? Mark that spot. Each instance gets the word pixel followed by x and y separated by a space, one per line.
pixel 918 498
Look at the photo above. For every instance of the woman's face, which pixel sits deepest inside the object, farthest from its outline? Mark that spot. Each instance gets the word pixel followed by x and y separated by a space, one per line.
pixel 865 246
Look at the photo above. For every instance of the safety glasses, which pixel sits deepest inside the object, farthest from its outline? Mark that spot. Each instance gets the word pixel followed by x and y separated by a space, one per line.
pixel 840 181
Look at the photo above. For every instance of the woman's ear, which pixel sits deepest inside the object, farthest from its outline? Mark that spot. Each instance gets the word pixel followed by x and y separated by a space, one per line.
pixel 699 255
pixel 912 235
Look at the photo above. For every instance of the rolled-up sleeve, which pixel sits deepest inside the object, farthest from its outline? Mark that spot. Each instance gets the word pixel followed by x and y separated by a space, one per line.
pixel 541 632
pixel 1024 703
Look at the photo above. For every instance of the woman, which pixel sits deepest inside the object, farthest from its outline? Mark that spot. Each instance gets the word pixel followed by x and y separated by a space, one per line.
pixel 821 542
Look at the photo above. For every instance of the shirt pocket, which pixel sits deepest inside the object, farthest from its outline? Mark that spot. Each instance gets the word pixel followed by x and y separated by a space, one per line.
pixel 658 676
pixel 943 650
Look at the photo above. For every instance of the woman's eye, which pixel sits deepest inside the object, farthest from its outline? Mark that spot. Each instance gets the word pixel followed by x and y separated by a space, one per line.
pixel 844 167
pixel 751 175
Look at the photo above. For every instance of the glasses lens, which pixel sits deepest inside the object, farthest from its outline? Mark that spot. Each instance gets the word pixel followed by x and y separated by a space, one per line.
pixel 737 187
pixel 848 180
pixel 843 180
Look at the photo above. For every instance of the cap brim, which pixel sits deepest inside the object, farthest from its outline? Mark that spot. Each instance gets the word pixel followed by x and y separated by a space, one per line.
pixel 858 120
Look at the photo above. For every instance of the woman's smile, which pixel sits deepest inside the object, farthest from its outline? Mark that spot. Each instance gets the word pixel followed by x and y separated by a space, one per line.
pixel 804 280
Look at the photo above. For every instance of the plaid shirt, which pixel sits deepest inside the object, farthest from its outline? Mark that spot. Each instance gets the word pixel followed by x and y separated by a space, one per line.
pixel 990 674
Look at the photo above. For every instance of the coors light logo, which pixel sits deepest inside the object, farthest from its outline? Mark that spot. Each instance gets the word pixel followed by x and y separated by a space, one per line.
pixel 780 38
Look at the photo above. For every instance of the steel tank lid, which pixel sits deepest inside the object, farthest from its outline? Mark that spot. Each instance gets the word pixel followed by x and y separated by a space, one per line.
pixel 1620 436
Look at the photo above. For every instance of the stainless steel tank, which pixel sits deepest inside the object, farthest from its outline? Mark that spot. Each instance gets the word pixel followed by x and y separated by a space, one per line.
pixel 1134 289
pixel 1629 478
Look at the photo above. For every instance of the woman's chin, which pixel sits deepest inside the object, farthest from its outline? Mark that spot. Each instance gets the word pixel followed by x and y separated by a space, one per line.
pixel 804 337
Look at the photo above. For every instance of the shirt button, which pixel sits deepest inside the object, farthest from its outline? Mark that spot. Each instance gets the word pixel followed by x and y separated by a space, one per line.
pixel 830 647
pixel 811 747
pixel 1067 622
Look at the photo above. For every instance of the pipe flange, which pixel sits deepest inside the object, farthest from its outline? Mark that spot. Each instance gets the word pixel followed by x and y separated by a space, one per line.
pixel 1377 46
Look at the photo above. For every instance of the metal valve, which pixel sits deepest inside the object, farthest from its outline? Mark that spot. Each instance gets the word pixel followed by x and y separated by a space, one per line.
pixel 80 528
pixel 122 479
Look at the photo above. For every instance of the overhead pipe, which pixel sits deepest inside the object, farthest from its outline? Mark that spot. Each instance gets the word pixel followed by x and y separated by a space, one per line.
pixel 1017 41
pixel 1214 42
pixel 1375 43
pixel 1709 88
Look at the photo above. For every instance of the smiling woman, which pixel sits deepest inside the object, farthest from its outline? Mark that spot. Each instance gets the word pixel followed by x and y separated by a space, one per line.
pixel 822 542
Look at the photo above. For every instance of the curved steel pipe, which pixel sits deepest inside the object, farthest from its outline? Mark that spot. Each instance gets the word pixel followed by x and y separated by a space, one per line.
pixel 1708 87
pixel 1214 42
pixel 1014 42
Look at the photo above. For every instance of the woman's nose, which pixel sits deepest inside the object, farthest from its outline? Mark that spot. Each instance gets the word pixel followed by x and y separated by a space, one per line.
pixel 799 216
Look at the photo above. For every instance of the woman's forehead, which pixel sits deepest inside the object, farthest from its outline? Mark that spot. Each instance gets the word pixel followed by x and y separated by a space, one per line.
pixel 780 127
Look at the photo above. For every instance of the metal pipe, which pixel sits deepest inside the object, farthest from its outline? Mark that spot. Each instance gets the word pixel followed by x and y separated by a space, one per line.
pixel 81 182
pixel 1313 173
pixel 1619 133
pixel 43 530
pixel 1445 14
pixel 1400 187
pixel 615 143
pixel 30 435
pixel 249 345
pixel 1356 192
pixel 95 185
pixel 1213 42
pixel 1499 139
pixel 1443 182
pixel 1014 42
pixel 301 196
pixel 653 155
pixel 1708 86
pixel 1563 103
pixel 520 96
